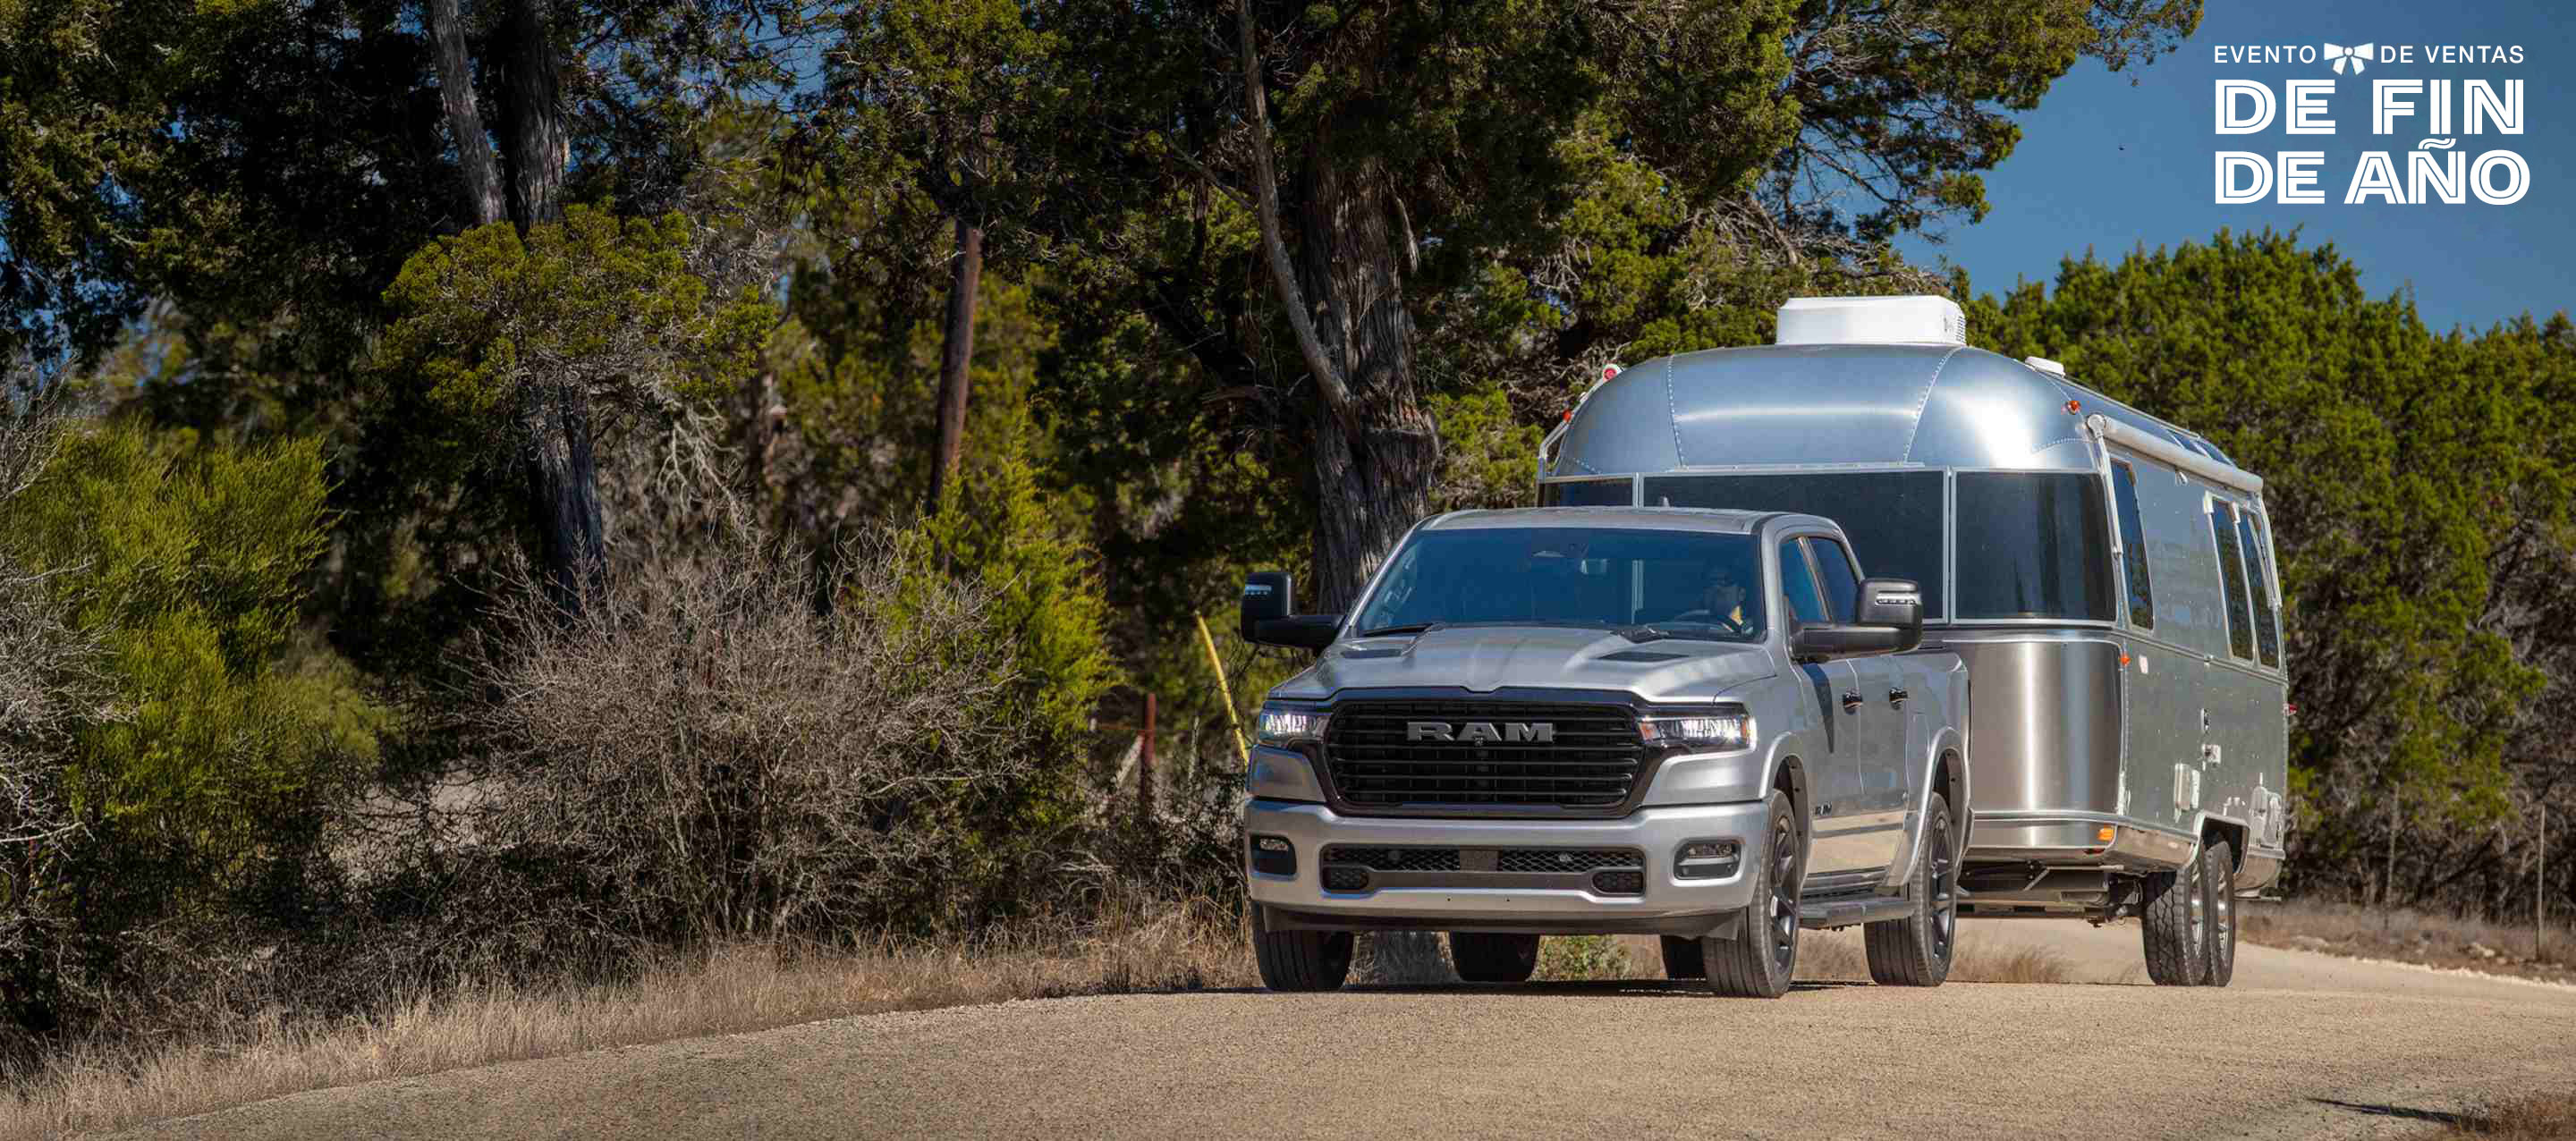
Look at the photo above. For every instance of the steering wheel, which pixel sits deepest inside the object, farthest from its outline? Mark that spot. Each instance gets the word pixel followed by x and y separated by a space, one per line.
pixel 1712 618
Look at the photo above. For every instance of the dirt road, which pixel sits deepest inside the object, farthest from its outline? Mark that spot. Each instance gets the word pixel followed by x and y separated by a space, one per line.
pixel 2303 1045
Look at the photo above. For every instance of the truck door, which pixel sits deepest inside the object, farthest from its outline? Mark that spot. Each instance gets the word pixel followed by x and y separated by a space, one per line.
pixel 1835 844
pixel 1883 768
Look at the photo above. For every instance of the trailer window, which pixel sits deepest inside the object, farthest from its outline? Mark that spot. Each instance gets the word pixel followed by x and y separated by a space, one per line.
pixel 1892 517
pixel 1585 493
pixel 2033 545
pixel 2258 563
pixel 2231 578
pixel 2133 548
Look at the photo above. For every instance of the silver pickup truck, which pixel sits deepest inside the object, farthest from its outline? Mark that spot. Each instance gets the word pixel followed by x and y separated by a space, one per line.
pixel 1699 724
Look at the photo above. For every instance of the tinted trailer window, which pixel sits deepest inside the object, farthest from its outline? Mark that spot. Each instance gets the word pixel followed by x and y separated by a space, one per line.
pixel 1893 517
pixel 2032 545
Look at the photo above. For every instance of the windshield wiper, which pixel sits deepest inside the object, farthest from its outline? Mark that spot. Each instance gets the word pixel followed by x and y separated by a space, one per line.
pixel 1650 632
pixel 1410 628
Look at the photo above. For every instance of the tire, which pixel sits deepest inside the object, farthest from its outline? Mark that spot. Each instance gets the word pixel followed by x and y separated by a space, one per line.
pixel 1916 950
pixel 2170 910
pixel 2218 879
pixel 1299 960
pixel 1682 959
pixel 1763 957
pixel 1493 958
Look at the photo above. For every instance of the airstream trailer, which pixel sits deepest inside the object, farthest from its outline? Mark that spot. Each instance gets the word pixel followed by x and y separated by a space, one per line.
pixel 2107 576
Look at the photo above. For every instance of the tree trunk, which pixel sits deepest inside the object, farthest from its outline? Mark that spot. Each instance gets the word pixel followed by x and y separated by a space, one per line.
pixel 554 414
pixel 563 490
pixel 483 204
pixel 538 148
pixel 956 355
pixel 1373 469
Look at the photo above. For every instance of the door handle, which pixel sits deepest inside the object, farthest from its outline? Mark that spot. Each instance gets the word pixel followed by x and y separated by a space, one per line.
pixel 1896 697
pixel 1851 703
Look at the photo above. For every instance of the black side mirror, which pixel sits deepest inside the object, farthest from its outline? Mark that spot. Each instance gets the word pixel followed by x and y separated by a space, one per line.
pixel 1269 615
pixel 1893 602
pixel 1819 641
pixel 1890 622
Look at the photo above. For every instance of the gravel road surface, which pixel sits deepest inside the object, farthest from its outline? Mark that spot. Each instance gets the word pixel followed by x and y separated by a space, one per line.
pixel 2303 1045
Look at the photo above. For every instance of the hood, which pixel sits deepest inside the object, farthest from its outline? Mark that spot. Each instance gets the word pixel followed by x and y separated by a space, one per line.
pixel 1486 658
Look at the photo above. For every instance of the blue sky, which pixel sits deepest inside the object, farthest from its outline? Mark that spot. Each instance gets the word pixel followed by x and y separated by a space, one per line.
pixel 2110 165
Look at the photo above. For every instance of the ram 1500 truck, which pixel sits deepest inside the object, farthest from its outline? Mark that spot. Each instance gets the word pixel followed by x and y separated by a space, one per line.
pixel 1699 724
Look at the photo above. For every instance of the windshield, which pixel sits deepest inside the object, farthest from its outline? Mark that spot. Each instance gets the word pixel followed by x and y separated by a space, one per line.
pixel 1678 584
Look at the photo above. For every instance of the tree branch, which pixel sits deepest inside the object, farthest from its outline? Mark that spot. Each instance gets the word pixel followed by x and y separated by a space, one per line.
pixel 1265 185
pixel 474 157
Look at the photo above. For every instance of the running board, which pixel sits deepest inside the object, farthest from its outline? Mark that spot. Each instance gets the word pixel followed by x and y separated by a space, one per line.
pixel 1828 914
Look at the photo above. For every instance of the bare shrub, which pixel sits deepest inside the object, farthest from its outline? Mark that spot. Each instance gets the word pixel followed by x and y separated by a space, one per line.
pixel 705 754
pixel 1403 958
pixel 1130 943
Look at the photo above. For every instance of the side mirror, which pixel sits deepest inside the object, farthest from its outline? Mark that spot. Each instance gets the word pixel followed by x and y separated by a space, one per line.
pixel 1891 622
pixel 1268 615
pixel 1893 602
pixel 1820 641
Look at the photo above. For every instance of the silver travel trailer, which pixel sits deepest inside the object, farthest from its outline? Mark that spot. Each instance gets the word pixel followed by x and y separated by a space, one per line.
pixel 2107 577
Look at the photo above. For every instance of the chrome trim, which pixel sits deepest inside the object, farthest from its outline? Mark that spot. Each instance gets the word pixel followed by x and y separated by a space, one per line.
pixel 2112 431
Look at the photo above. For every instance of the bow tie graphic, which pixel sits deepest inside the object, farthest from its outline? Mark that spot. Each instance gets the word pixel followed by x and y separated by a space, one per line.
pixel 2358 55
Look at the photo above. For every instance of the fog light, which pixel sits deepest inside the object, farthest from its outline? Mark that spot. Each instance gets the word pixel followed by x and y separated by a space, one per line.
pixel 1706 859
pixel 1274 856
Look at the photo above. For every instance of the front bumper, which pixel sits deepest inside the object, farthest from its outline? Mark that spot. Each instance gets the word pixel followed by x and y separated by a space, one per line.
pixel 1668 906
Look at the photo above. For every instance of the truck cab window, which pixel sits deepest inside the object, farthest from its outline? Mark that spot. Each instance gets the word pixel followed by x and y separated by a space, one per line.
pixel 1705 585
pixel 1799 586
pixel 2258 563
pixel 2133 547
pixel 1841 583
pixel 2231 577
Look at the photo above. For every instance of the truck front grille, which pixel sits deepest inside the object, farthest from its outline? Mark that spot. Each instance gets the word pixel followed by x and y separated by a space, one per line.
pixel 1581 758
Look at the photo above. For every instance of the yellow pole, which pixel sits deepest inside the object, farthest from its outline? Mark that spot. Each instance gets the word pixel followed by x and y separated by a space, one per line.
pixel 1207 642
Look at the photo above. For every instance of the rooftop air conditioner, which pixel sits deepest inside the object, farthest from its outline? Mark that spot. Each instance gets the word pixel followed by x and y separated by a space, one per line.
pixel 1921 320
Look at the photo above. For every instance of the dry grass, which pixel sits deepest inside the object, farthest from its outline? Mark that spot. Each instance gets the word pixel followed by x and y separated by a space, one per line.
pixel 749 987
pixel 2411 937
pixel 740 988
pixel 2532 1117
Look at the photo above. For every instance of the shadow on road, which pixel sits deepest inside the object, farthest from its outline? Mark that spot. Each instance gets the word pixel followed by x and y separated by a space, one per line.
pixel 2433 1116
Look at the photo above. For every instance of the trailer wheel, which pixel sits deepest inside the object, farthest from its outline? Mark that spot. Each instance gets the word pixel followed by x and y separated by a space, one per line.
pixel 1493 958
pixel 1916 950
pixel 1682 959
pixel 1299 960
pixel 2173 911
pixel 2218 876
pixel 1760 961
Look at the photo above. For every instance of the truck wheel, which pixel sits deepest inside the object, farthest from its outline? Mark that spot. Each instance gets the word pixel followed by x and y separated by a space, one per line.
pixel 2172 911
pixel 1682 959
pixel 1482 958
pixel 1761 959
pixel 2218 875
pixel 1916 950
pixel 1299 960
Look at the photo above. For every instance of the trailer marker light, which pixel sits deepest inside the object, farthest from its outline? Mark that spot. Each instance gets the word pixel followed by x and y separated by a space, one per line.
pixel 2107 834
pixel 2074 406
pixel 2124 661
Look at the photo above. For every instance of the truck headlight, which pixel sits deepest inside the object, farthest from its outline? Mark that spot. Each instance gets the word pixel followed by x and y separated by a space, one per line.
pixel 1722 732
pixel 1284 725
